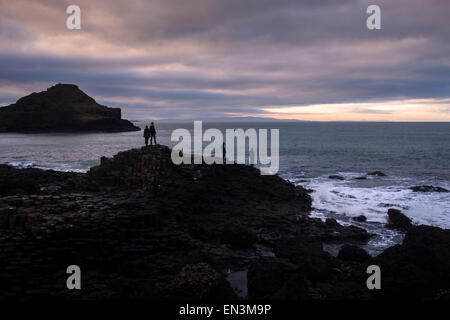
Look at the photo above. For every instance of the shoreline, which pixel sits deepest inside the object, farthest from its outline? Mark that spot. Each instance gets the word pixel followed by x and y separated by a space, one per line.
pixel 383 237
pixel 136 216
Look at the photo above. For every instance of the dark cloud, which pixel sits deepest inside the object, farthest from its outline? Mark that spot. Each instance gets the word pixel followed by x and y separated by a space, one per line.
pixel 214 57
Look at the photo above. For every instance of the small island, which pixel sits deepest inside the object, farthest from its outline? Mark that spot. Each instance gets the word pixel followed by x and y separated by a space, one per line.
pixel 61 108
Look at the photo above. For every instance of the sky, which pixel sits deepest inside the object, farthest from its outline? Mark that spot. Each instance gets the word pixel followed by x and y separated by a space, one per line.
pixel 286 59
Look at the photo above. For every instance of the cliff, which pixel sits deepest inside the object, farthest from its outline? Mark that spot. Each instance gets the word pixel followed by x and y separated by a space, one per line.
pixel 61 108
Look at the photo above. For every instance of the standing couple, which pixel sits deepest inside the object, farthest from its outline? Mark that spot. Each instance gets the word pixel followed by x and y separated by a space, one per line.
pixel 150 133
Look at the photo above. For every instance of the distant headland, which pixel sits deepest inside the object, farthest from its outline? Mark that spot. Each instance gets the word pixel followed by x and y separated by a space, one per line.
pixel 61 108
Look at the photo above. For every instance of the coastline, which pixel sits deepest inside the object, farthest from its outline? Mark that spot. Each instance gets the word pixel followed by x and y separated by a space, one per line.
pixel 141 227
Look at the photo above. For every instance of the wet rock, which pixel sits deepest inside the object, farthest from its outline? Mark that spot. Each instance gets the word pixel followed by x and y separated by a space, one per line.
pixel 330 222
pixel 336 177
pixel 344 290
pixel 295 288
pixel 293 247
pixel 200 281
pixel 398 220
pixel 307 254
pixel 361 218
pixel 353 253
pixel 267 275
pixel 377 173
pixel 425 188
pixel 417 268
pixel 361 178
pixel 330 231
pixel 337 232
pixel 238 237
pixel 29 180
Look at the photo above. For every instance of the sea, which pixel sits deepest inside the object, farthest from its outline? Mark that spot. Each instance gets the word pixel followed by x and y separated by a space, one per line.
pixel 410 154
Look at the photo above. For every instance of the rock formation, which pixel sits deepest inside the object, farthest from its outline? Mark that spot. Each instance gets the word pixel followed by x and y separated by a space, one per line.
pixel 140 227
pixel 398 220
pixel 428 189
pixel 61 108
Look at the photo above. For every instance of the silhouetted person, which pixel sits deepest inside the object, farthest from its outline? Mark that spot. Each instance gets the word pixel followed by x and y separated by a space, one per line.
pixel 224 152
pixel 152 134
pixel 252 157
pixel 146 135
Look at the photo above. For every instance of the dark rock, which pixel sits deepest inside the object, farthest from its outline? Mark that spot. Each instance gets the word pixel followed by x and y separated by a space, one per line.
pixel 61 108
pixel 344 290
pixel 238 237
pixel 417 268
pixel 4 218
pixel 307 254
pixel 336 177
pixel 295 288
pixel 30 180
pixel 361 218
pixel 377 173
pixel 398 220
pixel 425 188
pixel 353 253
pixel 267 275
pixel 361 178
pixel 137 220
pixel 330 222
pixel 295 247
pixel 337 232
pixel 331 230
pixel 200 281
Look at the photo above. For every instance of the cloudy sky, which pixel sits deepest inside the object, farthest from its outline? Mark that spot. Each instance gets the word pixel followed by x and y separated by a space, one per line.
pixel 290 59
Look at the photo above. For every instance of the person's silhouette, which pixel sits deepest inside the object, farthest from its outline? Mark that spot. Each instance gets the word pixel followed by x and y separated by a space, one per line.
pixel 146 135
pixel 224 153
pixel 252 157
pixel 152 134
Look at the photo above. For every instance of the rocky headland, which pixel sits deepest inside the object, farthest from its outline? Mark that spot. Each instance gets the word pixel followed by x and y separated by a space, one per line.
pixel 140 227
pixel 61 108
